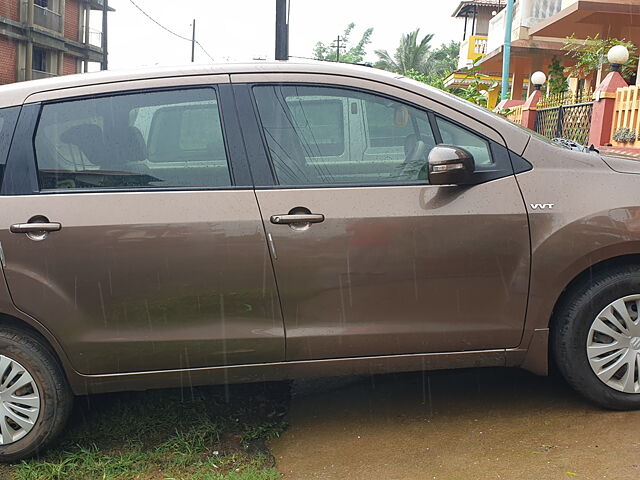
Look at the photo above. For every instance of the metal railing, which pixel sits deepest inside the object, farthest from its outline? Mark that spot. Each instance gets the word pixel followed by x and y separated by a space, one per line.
pixel 471 49
pixel 37 74
pixel 95 38
pixel 46 18
pixel 566 98
pixel 566 121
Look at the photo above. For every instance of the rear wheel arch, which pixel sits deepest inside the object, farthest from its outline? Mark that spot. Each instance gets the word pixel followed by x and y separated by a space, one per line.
pixel 39 333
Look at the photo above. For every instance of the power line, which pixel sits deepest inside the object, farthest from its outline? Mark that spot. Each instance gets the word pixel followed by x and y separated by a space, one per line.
pixel 169 30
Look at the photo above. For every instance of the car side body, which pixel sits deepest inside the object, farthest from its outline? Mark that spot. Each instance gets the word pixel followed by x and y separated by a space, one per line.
pixel 489 268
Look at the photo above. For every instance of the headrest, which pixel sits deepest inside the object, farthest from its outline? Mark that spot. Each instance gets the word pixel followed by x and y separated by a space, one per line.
pixel 129 146
pixel 89 139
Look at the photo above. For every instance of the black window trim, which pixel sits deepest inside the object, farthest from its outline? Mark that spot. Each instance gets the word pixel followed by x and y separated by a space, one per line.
pixel 10 122
pixel 22 169
pixel 261 183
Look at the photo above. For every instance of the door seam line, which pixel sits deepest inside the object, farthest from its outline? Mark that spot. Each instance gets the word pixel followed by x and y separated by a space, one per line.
pixel 273 270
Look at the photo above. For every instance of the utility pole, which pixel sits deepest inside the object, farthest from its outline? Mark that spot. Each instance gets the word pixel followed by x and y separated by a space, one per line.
pixel 282 29
pixel 193 42
pixel 338 44
pixel 105 26
pixel 506 52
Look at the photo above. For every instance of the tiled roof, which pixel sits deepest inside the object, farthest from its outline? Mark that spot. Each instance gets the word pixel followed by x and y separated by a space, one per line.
pixel 466 5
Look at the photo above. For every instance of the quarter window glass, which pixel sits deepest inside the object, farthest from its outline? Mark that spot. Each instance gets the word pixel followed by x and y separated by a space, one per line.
pixel 325 135
pixel 457 136
pixel 144 140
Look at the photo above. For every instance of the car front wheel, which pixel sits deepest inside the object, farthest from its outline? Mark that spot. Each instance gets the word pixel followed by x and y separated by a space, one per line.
pixel 35 399
pixel 596 338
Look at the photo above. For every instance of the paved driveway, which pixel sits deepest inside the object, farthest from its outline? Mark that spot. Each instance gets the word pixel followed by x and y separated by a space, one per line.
pixel 471 425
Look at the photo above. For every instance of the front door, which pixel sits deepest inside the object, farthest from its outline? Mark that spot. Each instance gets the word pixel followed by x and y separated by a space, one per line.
pixel 150 253
pixel 369 258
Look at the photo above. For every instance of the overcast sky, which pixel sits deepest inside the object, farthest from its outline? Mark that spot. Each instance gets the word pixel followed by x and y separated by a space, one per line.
pixel 243 29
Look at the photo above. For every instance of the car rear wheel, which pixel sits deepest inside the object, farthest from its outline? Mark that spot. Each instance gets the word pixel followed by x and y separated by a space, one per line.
pixel 596 338
pixel 35 399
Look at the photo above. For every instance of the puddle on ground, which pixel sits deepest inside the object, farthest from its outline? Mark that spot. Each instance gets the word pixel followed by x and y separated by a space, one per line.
pixel 476 424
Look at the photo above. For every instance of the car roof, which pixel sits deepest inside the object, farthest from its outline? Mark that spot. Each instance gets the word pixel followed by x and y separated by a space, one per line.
pixel 16 93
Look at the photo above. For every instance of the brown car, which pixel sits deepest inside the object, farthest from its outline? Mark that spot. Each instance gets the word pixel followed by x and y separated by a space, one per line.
pixel 243 223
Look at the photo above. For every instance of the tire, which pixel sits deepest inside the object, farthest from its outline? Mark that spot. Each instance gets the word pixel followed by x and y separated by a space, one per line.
pixel 47 397
pixel 588 336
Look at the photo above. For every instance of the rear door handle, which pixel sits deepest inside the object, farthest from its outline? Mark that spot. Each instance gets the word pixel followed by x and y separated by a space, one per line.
pixel 287 219
pixel 35 227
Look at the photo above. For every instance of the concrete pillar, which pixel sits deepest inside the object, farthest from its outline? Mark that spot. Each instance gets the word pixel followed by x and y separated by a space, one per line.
pixel 530 109
pixel 516 86
pixel 28 64
pixel 87 20
pixel 63 4
pixel 492 98
pixel 603 109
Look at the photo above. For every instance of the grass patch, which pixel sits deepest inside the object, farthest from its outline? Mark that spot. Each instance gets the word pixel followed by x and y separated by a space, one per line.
pixel 211 433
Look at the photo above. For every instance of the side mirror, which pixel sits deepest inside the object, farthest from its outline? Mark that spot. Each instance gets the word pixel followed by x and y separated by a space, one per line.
pixel 449 165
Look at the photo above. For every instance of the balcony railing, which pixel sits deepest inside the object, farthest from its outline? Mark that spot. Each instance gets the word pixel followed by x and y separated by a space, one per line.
pixel 472 49
pixel 95 38
pixel 46 18
pixel 38 74
pixel 526 13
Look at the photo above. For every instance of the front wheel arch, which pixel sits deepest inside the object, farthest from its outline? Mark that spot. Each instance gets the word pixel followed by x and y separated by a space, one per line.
pixel 583 277
pixel 572 327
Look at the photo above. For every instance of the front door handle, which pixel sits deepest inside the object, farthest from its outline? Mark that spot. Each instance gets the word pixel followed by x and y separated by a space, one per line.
pixel 288 219
pixel 35 227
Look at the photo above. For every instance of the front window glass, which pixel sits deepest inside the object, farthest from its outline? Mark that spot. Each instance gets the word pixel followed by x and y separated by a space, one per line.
pixel 142 140
pixel 457 136
pixel 326 135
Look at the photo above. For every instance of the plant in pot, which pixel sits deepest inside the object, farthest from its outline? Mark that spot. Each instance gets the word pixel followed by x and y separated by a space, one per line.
pixel 625 135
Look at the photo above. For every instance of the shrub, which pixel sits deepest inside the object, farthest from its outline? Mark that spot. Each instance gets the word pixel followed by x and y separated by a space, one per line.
pixel 625 135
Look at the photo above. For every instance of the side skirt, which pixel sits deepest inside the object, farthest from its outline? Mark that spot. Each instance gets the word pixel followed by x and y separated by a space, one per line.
pixel 89 384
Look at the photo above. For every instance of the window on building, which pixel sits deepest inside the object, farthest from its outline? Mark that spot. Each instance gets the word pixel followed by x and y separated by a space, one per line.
pixel 42 3
pixel 40 59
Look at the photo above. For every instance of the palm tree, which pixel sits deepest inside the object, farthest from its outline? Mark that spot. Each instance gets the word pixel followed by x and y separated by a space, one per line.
pixel 411 54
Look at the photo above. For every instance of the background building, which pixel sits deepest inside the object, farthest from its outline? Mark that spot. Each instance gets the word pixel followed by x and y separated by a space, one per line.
pixel 540 28
pixel 44 38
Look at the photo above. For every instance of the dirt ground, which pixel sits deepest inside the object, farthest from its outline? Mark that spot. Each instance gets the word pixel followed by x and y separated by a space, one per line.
pixel 467 425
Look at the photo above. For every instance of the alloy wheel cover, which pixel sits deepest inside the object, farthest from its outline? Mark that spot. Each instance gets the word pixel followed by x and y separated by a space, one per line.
pixel 20 401
pixel 613 345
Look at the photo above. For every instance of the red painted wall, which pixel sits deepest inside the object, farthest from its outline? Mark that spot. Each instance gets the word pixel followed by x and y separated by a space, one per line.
pixel 8 59
pixel 10 9
pixel 69 65
pixel 71 19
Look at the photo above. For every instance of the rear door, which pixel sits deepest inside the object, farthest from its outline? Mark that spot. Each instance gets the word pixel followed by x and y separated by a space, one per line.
pixel 150 253
pixel 370 259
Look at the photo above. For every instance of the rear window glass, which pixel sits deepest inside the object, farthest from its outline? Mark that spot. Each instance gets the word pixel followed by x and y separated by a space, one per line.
pixel 139 140
pixel 8 118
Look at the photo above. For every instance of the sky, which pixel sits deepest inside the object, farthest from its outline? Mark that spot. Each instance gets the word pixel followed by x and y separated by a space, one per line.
pixel 236 30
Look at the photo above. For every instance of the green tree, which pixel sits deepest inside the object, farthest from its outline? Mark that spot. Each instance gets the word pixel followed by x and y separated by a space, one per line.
pixel 591 55
pixel 351 54
pixel 557 80
pixel 412 54
pixel 443 60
